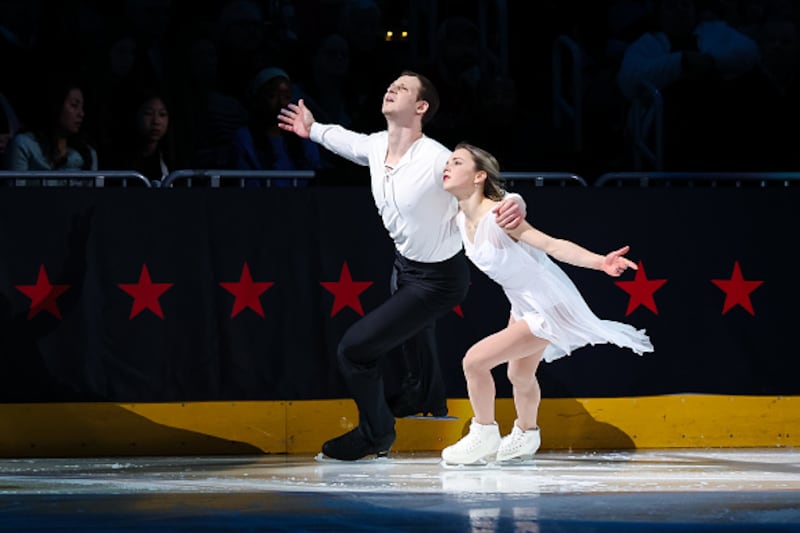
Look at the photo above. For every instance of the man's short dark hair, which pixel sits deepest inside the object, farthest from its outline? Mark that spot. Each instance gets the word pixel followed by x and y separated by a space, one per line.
pixel 428 93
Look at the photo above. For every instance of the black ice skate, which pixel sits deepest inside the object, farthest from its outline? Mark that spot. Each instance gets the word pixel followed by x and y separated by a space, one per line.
pixel 353 446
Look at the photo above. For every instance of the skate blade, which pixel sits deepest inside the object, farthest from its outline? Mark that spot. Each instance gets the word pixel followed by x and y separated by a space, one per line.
pixel 486 464
pixel 380 457
pixel 516 462
pixel 481 464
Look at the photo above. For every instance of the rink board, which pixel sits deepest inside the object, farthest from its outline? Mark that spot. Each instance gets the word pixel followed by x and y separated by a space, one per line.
pixel 200 428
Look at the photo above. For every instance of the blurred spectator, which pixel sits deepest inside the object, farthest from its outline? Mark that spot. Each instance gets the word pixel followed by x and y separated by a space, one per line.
pixel 240 40
pixel 147 147
pixel 780 57
pixel 283 40
pixel 685 47
pixel 54 142
pixel 775 112
pixel 149 20
pixel 20 30
pixel 457 73
pixel 750 16
pixel 261 144
pixel 702 68
pixel 326 92
pixel 324 86
pixel 373 66
pixel 9 123
pixel 603 107
pixel 506 129
pixel 121 73
pixel 206 116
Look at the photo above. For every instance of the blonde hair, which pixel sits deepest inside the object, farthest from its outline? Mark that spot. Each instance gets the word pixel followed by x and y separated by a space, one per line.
pixel 493 186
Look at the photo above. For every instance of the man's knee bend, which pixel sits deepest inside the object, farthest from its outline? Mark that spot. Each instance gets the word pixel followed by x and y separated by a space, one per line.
pixel 349 351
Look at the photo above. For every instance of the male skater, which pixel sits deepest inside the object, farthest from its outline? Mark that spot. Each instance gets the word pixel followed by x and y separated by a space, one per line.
pixel 431 273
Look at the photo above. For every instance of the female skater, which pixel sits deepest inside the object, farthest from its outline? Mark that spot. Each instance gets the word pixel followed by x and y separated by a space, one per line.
pixel 549 318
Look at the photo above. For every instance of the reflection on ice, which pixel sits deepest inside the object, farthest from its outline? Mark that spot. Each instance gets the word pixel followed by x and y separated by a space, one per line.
pixel 752 490
pixel 549 473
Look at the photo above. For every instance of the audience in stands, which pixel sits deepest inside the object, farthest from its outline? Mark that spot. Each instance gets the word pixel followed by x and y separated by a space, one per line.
pixel 21 51
pixel 207 115
pixel 9 123
pixel 261 144
pixel 775 110
pixel 727 71
pixel 327 92
pixel 457 69
pixel 242 43
pixel 146 146
pixel 120 71
pixel 374 61
pixel 324 86
pixel 54 140
pixel 704 69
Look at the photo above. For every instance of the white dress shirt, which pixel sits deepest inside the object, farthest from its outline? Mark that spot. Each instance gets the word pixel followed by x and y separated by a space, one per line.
pixel 416 210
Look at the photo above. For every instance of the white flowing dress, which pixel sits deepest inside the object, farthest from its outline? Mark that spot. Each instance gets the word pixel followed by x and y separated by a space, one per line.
pixel 542 294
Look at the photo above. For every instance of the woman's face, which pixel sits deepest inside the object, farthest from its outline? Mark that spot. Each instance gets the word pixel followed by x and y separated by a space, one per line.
pixel 72 112
pixel 459 172
pixel 152 119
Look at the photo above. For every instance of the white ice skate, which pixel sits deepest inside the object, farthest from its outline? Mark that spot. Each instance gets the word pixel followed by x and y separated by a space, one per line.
pixel 476 448
pixel 519 445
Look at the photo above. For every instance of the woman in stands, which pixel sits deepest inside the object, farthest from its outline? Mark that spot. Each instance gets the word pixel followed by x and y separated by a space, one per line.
pixel 146 146
pixel 54 142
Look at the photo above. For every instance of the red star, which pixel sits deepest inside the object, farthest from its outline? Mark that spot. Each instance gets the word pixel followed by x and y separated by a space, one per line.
pixel 641 290
pixel 346 291
pixel 737 290
pixel 43 295
pixel 247 292
pixel 145 294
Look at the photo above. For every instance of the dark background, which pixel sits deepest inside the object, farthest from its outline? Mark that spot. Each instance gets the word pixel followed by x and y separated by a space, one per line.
pixel 497 94
pixel 298 238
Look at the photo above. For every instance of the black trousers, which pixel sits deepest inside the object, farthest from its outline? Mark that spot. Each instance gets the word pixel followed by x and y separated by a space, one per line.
pixel 425 292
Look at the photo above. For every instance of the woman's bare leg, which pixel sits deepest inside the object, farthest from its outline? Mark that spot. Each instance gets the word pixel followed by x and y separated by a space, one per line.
pixel 527 394
pixel 514 342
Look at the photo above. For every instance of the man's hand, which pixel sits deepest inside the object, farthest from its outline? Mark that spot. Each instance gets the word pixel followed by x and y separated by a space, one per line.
pixel 297 119
pixel 508 214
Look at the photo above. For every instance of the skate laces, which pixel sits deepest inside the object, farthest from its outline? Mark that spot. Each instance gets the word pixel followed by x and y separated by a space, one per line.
pixel 476 439
pixel 471 442
pixel 518 439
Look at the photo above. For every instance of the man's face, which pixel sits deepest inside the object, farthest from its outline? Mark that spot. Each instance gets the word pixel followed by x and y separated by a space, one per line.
pixel 401 96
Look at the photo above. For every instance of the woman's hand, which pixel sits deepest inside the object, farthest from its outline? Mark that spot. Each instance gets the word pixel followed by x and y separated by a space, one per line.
pixel 615 263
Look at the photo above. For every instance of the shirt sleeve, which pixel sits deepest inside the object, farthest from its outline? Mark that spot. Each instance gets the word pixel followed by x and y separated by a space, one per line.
pixel 17 154
pixel 342 142
pixel 93 155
